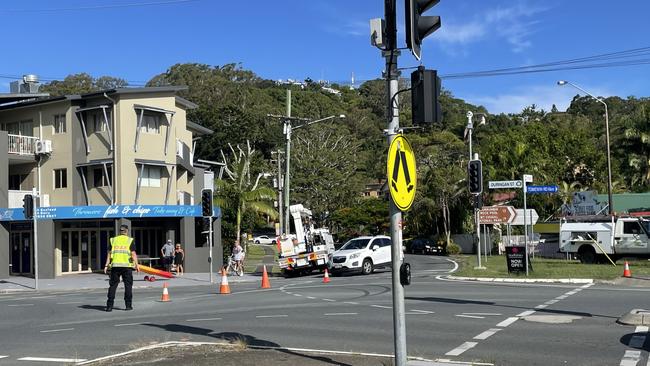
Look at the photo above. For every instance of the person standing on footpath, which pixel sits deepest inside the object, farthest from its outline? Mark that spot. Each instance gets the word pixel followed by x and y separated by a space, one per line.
pixel 167 253
pixel 122 260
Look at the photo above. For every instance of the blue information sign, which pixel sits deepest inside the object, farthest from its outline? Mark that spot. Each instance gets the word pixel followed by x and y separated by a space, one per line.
pixel 541 189
pixel 106 212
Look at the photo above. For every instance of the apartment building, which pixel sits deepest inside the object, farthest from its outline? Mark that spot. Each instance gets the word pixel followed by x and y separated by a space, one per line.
pixel 99 160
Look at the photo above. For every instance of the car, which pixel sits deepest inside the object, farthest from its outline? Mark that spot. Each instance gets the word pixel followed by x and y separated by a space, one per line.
pixel 263 239
pixel 362 254
pixel 425 246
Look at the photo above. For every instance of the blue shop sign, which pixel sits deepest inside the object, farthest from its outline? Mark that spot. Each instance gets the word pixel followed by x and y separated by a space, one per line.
pixel 106 212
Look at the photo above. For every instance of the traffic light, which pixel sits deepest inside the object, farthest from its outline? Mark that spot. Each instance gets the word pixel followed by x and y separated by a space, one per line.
pixel 28 206
pixel 206 203
pixel 417 25
pixel 475 176
pixel 425 96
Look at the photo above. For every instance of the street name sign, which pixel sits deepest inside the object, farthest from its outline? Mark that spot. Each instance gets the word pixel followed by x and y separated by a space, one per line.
pixel 528 178
pixel 496 215
pixel 541 189
pixel 531 217
pixel 501 184
pixel 401 171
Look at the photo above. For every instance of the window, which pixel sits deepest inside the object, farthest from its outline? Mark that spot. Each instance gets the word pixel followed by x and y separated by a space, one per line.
pixel 59 123
pixel 26 128
pixel 99 180
pixel 97 122
pixel 60 178
pixel 150 176
pixel 150 123
pixel 385 242
pixel 15 180
pixel 631 228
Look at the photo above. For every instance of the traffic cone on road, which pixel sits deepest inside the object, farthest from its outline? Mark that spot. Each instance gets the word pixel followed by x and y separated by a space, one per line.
pixel 265 279
pixel 225 287
pixel 626 271
pixel 165 294
pixel 326 278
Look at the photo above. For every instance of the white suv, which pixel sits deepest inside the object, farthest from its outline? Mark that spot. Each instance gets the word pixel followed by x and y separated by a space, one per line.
pixel 363 254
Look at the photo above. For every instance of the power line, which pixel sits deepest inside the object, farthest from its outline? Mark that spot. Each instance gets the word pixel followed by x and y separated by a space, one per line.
pixel 96 7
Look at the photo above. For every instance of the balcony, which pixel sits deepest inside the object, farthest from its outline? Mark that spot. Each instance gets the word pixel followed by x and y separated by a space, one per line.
pixel 184 156
pixel 22 145
pixel 15 199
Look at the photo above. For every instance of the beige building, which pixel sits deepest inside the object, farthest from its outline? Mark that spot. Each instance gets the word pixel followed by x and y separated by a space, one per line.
pixel 99 160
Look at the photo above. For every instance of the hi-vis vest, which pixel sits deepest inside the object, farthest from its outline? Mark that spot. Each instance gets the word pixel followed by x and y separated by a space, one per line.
pixel 121 251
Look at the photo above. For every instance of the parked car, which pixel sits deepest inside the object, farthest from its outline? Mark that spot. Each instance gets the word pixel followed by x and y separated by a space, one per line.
pixel 362 254
pixel 263 239
pixel 425 246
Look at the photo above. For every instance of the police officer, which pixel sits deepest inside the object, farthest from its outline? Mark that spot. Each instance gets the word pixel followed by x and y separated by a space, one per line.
pixel 121 259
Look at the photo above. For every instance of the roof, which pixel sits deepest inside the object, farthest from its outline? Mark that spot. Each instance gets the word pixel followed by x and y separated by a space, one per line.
pixel 17 97
pixel 198 129
pixel 186 103
pixel 31 102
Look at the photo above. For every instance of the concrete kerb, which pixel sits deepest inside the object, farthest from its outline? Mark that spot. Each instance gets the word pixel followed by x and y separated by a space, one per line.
pixel 522 280
pixel 635 317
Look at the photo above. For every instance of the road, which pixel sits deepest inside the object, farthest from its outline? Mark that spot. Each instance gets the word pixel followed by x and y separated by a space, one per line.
pixel 502 324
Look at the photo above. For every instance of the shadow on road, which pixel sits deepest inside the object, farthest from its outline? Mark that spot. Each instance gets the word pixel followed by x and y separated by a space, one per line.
pixel 93 307
pixel 625 340
pixel 235 337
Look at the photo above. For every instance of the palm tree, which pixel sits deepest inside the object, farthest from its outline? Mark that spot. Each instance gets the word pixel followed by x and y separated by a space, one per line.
pixel 238 193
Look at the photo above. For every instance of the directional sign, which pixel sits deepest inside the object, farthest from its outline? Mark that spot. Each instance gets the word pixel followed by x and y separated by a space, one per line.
pixel 528 178
pixel 541 189
pixel 496 214
pixel 402 177
pixel 499 184
pixel 531 217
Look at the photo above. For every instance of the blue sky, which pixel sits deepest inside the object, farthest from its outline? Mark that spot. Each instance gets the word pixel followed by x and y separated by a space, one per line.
pixel 329 39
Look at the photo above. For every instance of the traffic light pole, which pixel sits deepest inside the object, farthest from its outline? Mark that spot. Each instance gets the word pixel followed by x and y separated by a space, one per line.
pixel 35 195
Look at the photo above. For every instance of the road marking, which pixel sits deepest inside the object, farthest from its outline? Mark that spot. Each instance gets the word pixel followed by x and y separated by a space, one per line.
pixel 382 306
pixel 351 302
pixel 460 349
pixel 526 313
pixel 21 305
pixel 202 320
pixel 334 314
pixel 311 297
pixel 68 303
pixel 4 356
pixel 42 297
pixel 50 359
pixel 271 316
pixel 56 330
pixel 486 314
pixel 631 358
pixel 127 324
pixel 299 295
pixel 507 322
pixel 328 300
pixel 540 306
pixel 487 333
pixel 562 297
pixel 551 302
pixel 470 316
pixel 572 292
pixel 422 311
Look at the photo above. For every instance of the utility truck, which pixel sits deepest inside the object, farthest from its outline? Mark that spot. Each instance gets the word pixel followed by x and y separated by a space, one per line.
pixel 615 237
pixel 308 249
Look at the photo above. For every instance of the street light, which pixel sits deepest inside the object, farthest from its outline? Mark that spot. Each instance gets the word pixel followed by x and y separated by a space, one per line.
pixel 609 159
pixel 287 132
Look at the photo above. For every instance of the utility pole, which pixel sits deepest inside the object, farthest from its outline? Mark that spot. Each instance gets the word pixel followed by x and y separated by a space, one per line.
pixel 37 196
pixel 286 188
pixel 278 158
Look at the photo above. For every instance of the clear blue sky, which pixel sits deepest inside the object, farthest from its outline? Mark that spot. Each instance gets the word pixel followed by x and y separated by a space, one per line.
pixel 329 39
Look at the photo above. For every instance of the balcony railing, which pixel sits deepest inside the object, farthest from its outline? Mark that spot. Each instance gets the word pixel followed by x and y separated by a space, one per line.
pixel 15 199
pixel 22 145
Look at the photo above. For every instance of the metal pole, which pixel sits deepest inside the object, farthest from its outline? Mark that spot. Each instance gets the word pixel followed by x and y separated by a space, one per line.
pixel 280 202
pixel 525 225
pixel 35 200
pixel 485 244
pixel 287 126
pixel 210 246
pixel 477 223
pixel 609 164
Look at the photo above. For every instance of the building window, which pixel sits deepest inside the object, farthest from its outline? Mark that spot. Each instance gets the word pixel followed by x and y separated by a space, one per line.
pixel 150 124
pixel 99 180
pixel 15 181
pixel 59 123
pixel 60 178
pixel 150 176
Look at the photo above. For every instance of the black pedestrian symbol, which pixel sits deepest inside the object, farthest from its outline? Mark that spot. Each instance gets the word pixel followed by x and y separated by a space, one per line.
pixel 400 159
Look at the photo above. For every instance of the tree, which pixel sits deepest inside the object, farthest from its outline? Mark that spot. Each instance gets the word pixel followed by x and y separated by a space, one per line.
pixel 82 83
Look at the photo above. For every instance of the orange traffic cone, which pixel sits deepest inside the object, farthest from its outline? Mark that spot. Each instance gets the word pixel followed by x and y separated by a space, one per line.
pixel 326 278
pixel 265 279
pixel 225 287
pixel 165 294
pixel 626 271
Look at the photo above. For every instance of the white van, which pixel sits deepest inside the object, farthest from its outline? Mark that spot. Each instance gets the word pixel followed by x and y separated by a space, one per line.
pixel 363 254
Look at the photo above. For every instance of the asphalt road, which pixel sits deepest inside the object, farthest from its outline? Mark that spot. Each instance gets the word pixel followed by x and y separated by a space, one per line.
pixel 502 324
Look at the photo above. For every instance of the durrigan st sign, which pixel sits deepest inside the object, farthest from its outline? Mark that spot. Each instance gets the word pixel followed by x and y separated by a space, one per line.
pixel 504 184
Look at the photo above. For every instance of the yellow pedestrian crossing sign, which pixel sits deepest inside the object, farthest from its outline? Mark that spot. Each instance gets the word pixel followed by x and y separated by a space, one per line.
pixel 402 177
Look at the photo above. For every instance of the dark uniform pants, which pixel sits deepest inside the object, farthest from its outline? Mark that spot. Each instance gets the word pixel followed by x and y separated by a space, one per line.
pixel 127 276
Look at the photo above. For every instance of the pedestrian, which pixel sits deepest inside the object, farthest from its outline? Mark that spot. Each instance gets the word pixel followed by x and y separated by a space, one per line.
pixel 179 257
pixel 167 253
pixel 122 260
pixel 238 256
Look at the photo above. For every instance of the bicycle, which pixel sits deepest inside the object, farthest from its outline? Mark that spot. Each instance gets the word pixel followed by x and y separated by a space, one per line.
pixel 234 268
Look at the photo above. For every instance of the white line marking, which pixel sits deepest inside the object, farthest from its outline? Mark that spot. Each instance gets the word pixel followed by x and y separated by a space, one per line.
pixel 423 311
pixel 540 306
pixel 630 358
pixel 21 305
pixel 551 302
pixel 470 316
pixel 333 314
pixel 641 329
pixel 56 330
pixel 311 297
pixel 202 320
pixel 68 303
pixel 572 292
pixel 4 356
pixel 526 313
pixel 351 302
pixel 298 295
pixel 487 314
pixel 382 306
pixel 127 324
pixel 42 297
pixel 50 359
pixel 487 333
pixel 460 349
pixel 271 316
pixel 561 297
pixel 507 322
pixel 329 300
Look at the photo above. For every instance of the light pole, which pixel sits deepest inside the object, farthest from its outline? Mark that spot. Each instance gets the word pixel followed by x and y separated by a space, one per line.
pixel 609 158
pixel 287 132
pixel 470 127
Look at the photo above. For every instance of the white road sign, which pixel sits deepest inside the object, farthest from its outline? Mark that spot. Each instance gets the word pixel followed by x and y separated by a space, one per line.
pixel 528 178
pixel 531 218
pixel 501 184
